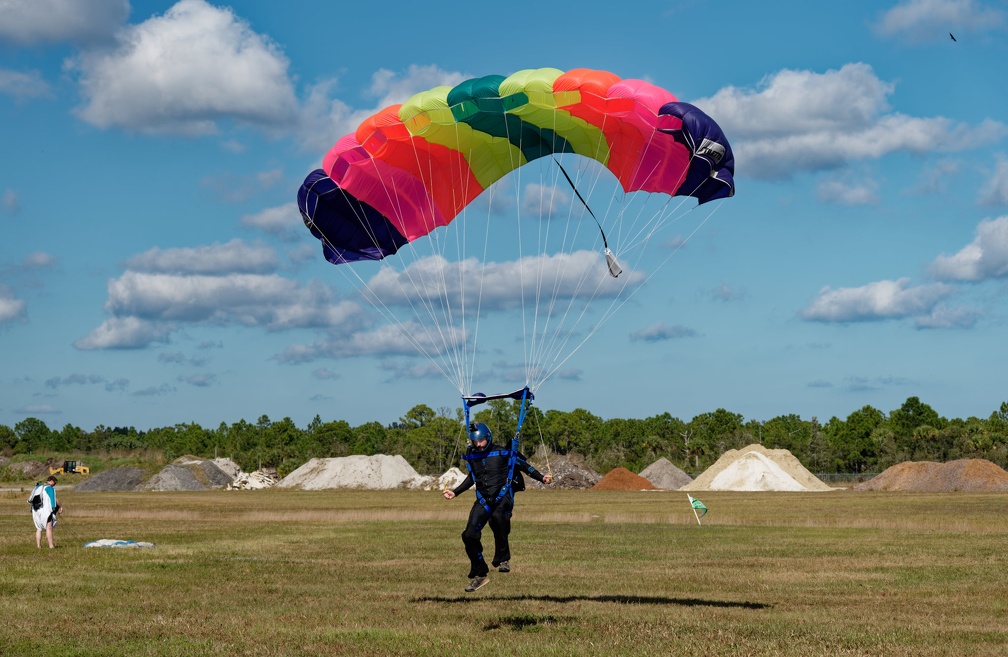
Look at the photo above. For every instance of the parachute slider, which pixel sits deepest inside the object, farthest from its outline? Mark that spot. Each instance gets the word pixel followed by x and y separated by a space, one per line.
pixel 614 268
pixel 479 398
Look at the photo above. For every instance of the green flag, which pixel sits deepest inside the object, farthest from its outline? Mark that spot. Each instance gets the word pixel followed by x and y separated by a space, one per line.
pixel 698 505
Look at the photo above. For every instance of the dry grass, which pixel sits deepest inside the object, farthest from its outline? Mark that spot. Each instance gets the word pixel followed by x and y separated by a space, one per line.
pixel 596 572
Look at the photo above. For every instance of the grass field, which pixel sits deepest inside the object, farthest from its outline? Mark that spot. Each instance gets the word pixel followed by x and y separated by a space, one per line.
pixel 594 573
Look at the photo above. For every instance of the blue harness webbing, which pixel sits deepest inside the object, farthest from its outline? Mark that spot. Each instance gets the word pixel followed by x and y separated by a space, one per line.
pixel 526 395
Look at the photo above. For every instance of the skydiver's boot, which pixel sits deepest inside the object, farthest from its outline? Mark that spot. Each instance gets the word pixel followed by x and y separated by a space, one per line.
pixel 477 582
pixel 504 567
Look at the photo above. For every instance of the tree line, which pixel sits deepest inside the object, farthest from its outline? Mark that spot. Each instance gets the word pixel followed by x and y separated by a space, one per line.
pixel 868 440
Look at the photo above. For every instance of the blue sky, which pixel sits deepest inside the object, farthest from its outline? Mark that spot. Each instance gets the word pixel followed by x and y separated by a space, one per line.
pixel 154 268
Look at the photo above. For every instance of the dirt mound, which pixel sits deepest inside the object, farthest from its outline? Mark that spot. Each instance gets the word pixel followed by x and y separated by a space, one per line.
pixel 967 475
pixel 623 479
pixel 378 472
pixel 115 480
pixel 756 468
pixel 663 474
pixel 189 473
pixel 28 469
pixel 569 472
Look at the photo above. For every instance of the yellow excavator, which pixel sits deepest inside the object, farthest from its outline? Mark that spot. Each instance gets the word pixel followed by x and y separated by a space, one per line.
pixel 70 467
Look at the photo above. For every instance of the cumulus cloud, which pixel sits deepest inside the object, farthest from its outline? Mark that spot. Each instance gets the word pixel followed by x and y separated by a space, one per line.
pixel 11 202
pixel 995 191
pixel 502 285
pixel 985 257
pixel 544 200
pixel 802 120
pixel 229 284
pixel 388 340
pixel 876 301
pixel 53 21
pixel 23 86
pixel 283 222
pixel 235 256
pixel 184 71
pixel 324 118
pixel 932 20
pixel 846 192
pixel 661 332
pixel 11 308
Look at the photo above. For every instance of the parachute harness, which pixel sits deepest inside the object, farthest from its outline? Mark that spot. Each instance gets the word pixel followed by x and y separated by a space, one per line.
pixel 526 397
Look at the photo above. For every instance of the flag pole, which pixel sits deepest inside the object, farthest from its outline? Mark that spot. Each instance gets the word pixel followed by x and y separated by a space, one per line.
pixel 690 497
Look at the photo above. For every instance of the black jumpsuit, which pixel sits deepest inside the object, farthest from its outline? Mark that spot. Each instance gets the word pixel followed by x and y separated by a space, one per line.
pixel 490 465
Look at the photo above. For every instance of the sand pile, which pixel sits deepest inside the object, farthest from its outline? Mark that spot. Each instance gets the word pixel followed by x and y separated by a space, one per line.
pixel 663 474
pixel 755 468
pixel 378 472
pixel 967 475
pixel 622 479
pixel 449 480
pixel 257 480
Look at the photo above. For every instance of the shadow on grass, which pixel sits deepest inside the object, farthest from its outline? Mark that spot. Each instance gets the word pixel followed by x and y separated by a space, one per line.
pixel 618 599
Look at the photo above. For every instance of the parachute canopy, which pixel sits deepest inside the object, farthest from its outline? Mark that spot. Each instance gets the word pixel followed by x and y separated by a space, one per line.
pixel 464 188
pixel 413 167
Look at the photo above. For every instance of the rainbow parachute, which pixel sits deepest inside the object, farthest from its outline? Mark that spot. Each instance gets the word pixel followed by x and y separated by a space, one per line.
pixel 462 187
pixel 413 167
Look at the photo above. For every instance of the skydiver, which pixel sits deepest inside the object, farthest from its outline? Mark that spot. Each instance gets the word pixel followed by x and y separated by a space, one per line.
pixel 952 37
pixel 44 510
pixel 488 469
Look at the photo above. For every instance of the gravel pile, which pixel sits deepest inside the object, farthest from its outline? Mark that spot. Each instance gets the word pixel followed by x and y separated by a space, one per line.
pixel 665 475
pixel 114 480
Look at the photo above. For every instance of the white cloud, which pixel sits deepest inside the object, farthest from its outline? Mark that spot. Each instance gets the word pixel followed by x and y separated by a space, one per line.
pixel 985 257
pixel 502 285
pixel 409 339
pixel 932 20
pixel 233 257
pixel 23 86
pixel 229 284
pixel 11 202
pixel 282 221
pixel 802 120
pixel 325 119
pixel 848 193
pixel 54 21
pixel 268 301
pixel 124 333
pixel 876 301
pixel 10 308
pixel 661 332
pixel 544 200
pixel 184 71
pixel 944 316
pixel 995 192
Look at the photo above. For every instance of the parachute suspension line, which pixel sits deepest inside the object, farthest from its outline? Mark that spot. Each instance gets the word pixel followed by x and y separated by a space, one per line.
pixel 614 307
pixel 546 450
pixel 379 305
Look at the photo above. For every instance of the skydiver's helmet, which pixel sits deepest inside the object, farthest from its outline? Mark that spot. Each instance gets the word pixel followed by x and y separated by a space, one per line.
pixel 478 432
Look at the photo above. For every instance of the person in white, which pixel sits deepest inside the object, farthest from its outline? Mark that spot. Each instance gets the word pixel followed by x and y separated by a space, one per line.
pixel 44 510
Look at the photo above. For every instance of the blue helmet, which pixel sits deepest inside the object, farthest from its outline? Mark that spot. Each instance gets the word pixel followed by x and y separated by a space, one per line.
pixel 478 432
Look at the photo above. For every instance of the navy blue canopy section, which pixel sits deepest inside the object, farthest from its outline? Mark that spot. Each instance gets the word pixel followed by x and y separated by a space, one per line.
pixel 336 217
pixel 479 398
pixel 711 173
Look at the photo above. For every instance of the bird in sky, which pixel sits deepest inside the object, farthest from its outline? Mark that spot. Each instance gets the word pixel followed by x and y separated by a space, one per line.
pixel 953 38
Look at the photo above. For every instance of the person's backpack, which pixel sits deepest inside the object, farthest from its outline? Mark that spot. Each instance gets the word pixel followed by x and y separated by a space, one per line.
pixel 36 500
